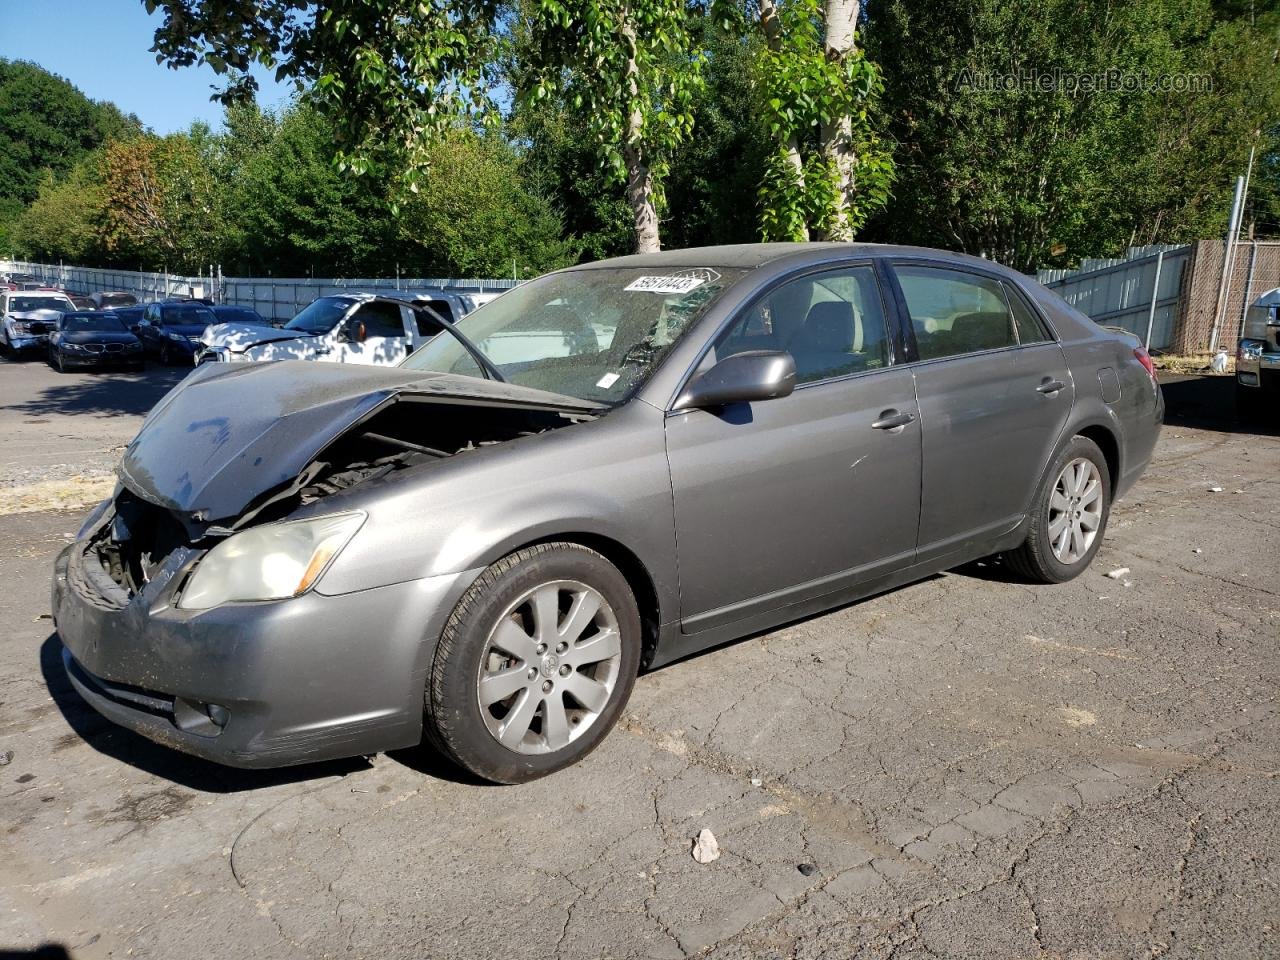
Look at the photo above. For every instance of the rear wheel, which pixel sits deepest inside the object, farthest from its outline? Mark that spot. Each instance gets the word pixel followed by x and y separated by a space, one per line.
pixel 535 664
pixel 1069 516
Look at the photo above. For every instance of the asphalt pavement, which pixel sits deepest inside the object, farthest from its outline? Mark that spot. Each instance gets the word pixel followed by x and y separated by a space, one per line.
pixel 967 767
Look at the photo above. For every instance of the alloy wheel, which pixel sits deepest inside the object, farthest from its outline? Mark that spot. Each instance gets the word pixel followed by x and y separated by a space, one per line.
pixel 1075 510
pixel 550 667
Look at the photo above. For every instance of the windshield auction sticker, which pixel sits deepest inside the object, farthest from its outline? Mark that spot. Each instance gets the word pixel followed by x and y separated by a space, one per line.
pixel 665 284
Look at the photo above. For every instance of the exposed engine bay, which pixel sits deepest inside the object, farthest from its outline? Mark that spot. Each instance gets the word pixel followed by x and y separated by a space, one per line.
pixel 407 432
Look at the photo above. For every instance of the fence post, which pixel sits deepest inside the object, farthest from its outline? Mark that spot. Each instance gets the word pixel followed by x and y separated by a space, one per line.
pixel 1155 295
pixel 1248 283
pixel 1228 262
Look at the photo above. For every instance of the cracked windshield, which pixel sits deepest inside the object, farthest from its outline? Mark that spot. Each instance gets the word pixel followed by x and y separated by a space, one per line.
pixel 591 334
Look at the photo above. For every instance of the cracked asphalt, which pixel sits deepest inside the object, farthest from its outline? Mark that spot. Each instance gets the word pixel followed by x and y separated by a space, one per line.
pixel 972 767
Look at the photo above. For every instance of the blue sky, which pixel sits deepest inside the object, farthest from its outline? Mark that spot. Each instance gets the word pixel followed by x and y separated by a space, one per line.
pixel 102 46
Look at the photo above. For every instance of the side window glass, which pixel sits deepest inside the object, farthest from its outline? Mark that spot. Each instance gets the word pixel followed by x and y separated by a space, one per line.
pixel 953 312
pixel 427 324
pixel 832 323
pixel 380 319
pixel 1030 327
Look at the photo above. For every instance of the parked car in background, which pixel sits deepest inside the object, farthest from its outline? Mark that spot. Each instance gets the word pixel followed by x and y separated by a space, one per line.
pixel 131 317
pixel 110 299
pixel 231 313
pixel 95 338
pixel 29 317
pixel 170 329
pixel 1258 358
pixel 306 561
pixel 82 302
pixel 359 328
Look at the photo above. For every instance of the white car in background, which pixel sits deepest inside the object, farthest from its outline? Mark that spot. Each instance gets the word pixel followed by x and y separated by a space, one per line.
pixel 361 328
pixel 29 316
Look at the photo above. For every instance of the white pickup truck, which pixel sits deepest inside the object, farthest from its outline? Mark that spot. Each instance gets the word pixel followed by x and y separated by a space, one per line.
pixel 1258 358
pixel 346 328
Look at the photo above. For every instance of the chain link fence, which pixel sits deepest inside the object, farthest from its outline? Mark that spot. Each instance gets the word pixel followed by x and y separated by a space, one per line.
pixel 276 298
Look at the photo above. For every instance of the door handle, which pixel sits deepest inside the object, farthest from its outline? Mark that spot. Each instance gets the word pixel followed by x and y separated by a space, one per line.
pixel 892 421
pixel 1050 387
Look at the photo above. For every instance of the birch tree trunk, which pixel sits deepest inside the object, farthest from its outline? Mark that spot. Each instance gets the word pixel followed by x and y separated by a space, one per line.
pixel 644 215
pixel 773 37
pixel 841 20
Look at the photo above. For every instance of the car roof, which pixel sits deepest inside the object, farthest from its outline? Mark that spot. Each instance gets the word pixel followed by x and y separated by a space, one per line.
pixel 749 256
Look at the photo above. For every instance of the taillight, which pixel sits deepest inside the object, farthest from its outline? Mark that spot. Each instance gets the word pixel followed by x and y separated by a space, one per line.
pixel 1144 358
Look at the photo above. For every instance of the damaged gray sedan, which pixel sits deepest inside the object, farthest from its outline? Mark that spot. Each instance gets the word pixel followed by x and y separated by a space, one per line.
pixel 603 470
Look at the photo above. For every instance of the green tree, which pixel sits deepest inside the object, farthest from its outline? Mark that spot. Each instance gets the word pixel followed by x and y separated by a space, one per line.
pixel 292 212
pixel 163 203
pixel 47 124
pixel 394 76
pixel 631 68
pixel 828 170
pixel 1038 168
pixel 65 221
pixel 475 216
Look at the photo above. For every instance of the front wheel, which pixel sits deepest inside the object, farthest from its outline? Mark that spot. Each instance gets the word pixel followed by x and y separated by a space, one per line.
pixel 535 664
pixel 1069 516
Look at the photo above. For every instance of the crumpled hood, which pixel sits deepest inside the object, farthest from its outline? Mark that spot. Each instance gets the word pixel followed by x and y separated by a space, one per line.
pixel 231 432
pixel 52 317
pixel 240 336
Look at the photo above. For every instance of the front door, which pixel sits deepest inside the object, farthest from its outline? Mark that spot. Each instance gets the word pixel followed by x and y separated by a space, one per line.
pixel 375 334
pixel 784 500
pixel 994 394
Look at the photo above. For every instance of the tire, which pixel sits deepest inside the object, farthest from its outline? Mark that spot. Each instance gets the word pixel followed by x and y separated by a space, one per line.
pixel 493 634
pixel 62 367
pixel 1040 558
pixel 1248 404
pixel 165 359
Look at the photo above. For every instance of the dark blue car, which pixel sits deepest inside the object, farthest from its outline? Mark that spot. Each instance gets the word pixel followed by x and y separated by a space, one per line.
pixel 93 339
pixel 170 329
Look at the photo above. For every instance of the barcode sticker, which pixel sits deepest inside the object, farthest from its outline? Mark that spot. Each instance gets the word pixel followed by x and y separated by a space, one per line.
pixel 665 284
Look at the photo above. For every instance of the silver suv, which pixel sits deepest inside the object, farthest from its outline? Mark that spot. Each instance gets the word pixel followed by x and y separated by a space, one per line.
pixel 1258 356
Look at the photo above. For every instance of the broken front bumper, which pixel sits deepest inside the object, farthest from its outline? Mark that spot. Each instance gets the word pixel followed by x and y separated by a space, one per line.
pixel 262 684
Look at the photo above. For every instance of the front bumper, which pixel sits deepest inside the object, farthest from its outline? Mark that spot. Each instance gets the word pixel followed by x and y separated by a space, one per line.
pixel 1259 372
pixel 37 341
pixel 311 678
pixel 120 359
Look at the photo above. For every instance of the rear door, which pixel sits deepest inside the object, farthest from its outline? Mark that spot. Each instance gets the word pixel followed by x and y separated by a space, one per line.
pixel 785 500
pixel 994 394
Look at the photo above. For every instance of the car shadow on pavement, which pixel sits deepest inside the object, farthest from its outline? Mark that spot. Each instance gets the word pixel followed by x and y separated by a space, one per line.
pixel 160 761
pixel 1209 403
pixel 104 393
pixel 50 951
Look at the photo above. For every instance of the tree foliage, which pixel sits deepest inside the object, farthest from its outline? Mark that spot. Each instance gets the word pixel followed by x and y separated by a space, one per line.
pixel 392 75
pixel 1030 175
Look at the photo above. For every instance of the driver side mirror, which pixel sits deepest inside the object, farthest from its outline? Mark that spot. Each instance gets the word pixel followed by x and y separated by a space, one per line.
pixel 742 378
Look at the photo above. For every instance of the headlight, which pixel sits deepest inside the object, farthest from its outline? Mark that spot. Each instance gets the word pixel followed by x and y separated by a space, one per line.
pixel 19 329
pixel 270 562
pixel 1249 350
pixel 134 347
pixel 176 337
pixel 73 347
